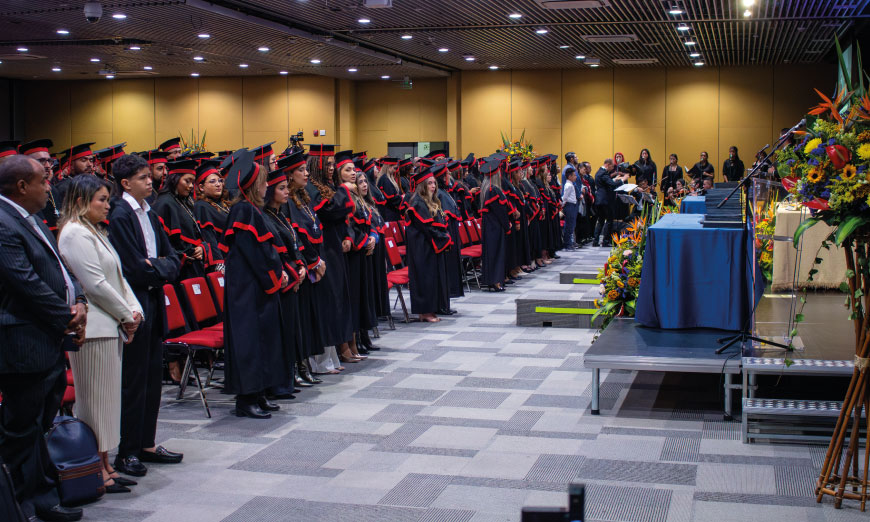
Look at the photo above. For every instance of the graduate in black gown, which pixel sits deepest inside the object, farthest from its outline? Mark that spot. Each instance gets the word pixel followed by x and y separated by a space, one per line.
pixel 288 247
pixel 533 211
pixel 377 260
pixel 460 192
pixel 474 181
pixel 512 256
pixel 428 240
pixel 539 180
pixel 360 269
pixel 256 359
pixel 157 160
pixel 333 205
pixel 405 169
pixel 556 190
pixel 495 209
pixel 454 216
pixel 174 206
pixel 310 235
pixel 211 210
pixel 388 183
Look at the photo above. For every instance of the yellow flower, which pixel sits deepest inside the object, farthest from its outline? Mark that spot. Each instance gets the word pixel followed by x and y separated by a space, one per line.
pixel 633 282
pixel 620 284
pixel 766 257
pixel 864 151
pixel 612 295
pixel 812 144
pixel 848 173
pixel 815 175
pixel 864 136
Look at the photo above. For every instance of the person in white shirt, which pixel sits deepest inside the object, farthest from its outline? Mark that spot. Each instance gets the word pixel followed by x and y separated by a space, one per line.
pixel 569 208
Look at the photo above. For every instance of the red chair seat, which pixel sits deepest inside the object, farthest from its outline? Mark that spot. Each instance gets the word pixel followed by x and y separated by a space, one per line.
pixel 69 378
pixel 215 328
pixel 69 396
pixel 402 250
pixel 398 277
pixel 472 251
pixel 206 338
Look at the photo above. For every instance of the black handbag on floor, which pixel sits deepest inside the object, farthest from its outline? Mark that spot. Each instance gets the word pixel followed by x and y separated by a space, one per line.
pixel 9 508
pixel 73 450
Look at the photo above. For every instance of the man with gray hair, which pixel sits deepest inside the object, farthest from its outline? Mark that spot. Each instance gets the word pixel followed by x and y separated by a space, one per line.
pixel 606 180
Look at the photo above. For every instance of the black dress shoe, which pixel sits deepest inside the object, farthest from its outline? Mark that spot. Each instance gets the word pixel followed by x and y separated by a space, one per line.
pixel 130 465
pixel 59 513
pixel 117 488
pixel 280 396
pixel 124 482
pixel 302 384
pixel 362 349
pixel 251 410
pixel 161 455
pixel 267 405
pixel 304 373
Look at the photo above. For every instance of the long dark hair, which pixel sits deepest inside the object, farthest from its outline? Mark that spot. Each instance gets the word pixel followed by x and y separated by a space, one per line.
pixel 78 199
pixel 648 157
pixel 736 153
pixel 317 177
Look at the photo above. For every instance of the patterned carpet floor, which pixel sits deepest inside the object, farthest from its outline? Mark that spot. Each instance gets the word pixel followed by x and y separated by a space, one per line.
pixel 471 419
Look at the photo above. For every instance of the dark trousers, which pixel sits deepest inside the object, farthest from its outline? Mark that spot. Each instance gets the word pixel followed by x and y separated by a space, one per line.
pixel 570 212
pixel 603 223
pixel 141 379
pixel 30 403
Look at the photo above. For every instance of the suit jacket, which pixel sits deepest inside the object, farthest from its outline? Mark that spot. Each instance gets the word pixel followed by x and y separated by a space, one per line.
pixel 98 268
pixel 605 186
pixel 33 309
pixel 126 236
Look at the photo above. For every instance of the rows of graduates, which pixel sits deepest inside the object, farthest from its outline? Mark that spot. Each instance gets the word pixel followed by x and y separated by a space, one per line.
pixel 301 240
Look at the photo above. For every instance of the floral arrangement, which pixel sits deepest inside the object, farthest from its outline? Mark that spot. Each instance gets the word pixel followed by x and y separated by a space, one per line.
pixel 764 229
pixel 194 144
pixel 666 209
pixel 620 275
pixel 519 147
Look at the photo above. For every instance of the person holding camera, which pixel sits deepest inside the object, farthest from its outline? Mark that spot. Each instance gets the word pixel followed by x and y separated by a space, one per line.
pixel 606 180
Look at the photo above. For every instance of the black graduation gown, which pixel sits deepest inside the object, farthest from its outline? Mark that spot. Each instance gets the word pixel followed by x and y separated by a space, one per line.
pixel 391 210
pixel 333 301
pixel 379 268
pixel 288 249
pixel 405 183
pixel 646 172
pixel 184 234
pixel 253 325
pixel 360 272
pixel 212 221
pixel 495 227
pixel 700 171
pixel 514 248
pixel 669 179
pixel 463 199
pixel 427 240
pixel 555 221
pixel 472 182
pixel 533 218
pixel 51 213
pixel 454 259
pixel 733 170
pixel 310 236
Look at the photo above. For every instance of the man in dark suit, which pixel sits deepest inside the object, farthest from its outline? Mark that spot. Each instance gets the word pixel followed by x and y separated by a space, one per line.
pixel 605 199
pixel 148 261
pixel 42 311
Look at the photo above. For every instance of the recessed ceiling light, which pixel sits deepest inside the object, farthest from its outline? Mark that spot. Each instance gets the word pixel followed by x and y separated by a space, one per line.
pixel 675 11
pixel 110 76
pixel 493 67
pixel 22 49
pixel 135 48
pixel 198 58
pixel 683 27
pixel 542 31
pixel 747 13
pixel 283 72
pixel 689 42
pixel 352 69
pixel 263 49
pixel 443 50
pixel 469 58
pixel 564 46
pixel 243 65
pixel 315 61
pixel 406 37
pixel 593 65
pixel 580 56
pixel 148 67
pixel 203 35
pixel 63 32
pixel 55 69
pixel 515 16
pixel 748 3
pixel 95 60
pixel 698 64
pixel 195 75
pixel 364 21
pixel 119 16
pixel 385 77
pixel 694 55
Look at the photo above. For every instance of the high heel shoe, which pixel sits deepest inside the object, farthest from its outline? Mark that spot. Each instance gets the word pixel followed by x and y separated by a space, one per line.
pixel 305 373
pixel 366 341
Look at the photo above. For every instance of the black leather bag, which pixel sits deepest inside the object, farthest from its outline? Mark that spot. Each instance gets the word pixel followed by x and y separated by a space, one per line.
pixel 9 508
pixel 73 450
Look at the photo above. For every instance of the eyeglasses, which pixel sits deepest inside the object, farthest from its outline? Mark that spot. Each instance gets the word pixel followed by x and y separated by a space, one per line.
pixel 217 181
pixel 45 161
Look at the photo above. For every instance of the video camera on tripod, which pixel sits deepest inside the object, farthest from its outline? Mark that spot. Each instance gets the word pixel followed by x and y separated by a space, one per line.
pixel 295 144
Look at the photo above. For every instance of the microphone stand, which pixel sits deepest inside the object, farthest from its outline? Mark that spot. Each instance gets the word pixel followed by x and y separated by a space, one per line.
pixel 746 334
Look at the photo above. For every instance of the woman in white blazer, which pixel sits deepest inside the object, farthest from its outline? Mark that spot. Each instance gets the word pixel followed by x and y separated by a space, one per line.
pixel 114 315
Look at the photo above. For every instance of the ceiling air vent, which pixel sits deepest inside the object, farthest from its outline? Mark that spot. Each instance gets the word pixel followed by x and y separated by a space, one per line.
pixel 609 38
pixel 635 61
pixel 573 4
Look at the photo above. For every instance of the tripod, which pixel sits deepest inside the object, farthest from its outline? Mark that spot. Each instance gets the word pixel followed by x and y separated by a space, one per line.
pixel 746 333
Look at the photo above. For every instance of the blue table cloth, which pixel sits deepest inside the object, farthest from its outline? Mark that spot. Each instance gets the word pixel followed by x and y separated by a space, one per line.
pixel 692 276
pixel 693 205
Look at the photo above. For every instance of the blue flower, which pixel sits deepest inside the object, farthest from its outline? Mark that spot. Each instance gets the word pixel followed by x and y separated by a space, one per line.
pixel 790 162
pixel 813 161
pixel 832 141
pixel 862 168
pixel 818 151
pixel 825 194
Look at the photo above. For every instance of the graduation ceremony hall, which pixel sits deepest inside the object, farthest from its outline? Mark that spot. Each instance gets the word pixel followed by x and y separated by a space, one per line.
pixel 434 261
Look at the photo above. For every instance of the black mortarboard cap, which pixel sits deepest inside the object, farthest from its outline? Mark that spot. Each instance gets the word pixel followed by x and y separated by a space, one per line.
pixel 35 146
pixel 345 156
pixel 263 151
pixel 170 145
pixel 8 148
pixel 206 169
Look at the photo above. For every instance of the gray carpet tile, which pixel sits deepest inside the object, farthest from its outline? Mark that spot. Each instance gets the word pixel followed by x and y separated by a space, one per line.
pixel 534 372
pixel 273 509
pixel 472 399
pixel 402 394
pixel 493 382
pixel 630 504
pixel 651 432
pixel 757 460
pixel 536 485
pixel 416 490
pixel 294 457
pixel 560 469
pixel 721 430
pixel 397 413
pixel 555 401
pixel 523 420
pixel 638 471
pixel 796 481
pixel 748 498
pixel 680 449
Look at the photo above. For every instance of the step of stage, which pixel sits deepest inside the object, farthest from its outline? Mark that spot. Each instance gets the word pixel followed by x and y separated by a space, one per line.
pixel 579 277
pixel 572 310
pixel 792 420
